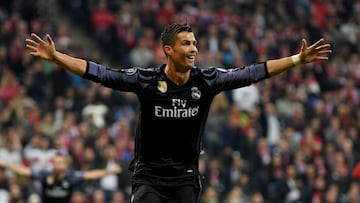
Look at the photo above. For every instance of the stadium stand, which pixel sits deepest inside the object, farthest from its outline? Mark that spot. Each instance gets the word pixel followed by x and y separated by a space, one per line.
pixel 298 140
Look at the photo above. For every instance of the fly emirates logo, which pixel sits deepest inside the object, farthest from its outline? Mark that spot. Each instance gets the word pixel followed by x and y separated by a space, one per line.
pixel 178 109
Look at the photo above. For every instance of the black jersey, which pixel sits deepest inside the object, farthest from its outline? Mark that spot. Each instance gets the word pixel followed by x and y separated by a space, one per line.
pixel 57 191
pixel 172 117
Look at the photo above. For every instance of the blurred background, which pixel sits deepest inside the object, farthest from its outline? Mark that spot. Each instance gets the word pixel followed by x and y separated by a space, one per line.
pixel 293 138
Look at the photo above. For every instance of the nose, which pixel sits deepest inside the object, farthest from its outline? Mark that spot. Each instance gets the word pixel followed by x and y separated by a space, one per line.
pixel 194 48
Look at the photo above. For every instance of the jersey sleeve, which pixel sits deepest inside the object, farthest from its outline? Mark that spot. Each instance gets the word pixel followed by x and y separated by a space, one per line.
pixel 121 79
pixel 75 177
pixel 39 175
pixel 226 79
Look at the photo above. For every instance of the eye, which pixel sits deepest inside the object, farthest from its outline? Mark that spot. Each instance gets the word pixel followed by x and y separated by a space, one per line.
pixel 186 42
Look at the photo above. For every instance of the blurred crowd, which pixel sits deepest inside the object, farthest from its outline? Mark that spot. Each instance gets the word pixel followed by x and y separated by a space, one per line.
pixel 292 138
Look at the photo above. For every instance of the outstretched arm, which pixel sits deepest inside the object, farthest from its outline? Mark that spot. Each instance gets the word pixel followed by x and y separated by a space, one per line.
pixel 99 173
pixel 47 51
pixel 317 51
pixel 18 169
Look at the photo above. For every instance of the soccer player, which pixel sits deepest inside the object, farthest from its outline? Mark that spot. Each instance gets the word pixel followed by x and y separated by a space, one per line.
pixel 58 184
pixel 174 102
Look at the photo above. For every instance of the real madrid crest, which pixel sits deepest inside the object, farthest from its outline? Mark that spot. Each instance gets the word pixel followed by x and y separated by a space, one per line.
pixel 50 180
pixel 195 93
pixel 162 86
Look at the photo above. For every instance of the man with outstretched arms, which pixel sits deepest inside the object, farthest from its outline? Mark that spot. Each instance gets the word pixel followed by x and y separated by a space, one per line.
pixel 174 102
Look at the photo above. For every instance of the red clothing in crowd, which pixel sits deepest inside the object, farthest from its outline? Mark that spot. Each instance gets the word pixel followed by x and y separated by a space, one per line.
pixel 356 172
pixel 102 18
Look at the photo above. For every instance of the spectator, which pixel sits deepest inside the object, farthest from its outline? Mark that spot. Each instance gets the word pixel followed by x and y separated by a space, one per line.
pixel 236 195
pixel 11 152
pixel 9 86
pixel 257 197
pixel 118 197
pixel 102 19
pixel 109 184
pixel 210 195
pixel 141 55
pixel 59 184
pixel 251 93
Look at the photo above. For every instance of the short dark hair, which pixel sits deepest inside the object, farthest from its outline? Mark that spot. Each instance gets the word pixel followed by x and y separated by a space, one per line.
pixel 168 35
pixel 61 153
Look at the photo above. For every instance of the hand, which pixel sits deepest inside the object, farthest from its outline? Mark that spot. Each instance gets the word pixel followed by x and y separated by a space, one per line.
pixel 317 51
pixel 115 169
pixel 40 48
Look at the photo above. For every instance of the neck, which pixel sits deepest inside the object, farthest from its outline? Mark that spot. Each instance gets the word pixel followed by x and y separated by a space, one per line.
pixel 177 76
pixel 59 175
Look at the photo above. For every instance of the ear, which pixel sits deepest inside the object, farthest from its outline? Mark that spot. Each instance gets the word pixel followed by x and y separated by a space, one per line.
pixel 168 50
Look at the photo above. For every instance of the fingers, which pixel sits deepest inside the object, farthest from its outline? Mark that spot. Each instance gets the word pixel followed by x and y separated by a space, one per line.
pixel 33 48
pixel 31 42
pixel 316 44
pixel 36 37
pixel 49 39
pixel 33 53
pixel 303 44
pixel 322 58
pixel 324 46
pixel 323 52
pixel 31 45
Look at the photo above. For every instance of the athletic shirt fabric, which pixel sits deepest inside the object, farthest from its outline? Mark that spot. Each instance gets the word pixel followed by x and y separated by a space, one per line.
pixel 57 191
pixel 171 118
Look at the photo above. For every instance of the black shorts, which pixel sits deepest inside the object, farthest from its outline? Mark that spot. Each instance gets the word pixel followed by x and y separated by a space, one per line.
pixel 143 193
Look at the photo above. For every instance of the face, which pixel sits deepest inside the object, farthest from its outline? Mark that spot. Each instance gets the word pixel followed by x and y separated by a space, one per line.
pixel 184 51
pixel 59 164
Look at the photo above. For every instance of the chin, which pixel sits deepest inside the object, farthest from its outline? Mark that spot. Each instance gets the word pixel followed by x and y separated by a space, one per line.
pixel 191 65
pixel 185 67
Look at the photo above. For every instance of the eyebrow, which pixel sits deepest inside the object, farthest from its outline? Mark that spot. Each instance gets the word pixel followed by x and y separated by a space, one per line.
pixel 186 40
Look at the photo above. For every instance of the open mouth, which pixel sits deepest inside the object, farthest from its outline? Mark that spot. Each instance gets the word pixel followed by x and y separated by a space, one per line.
pixel 191 58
